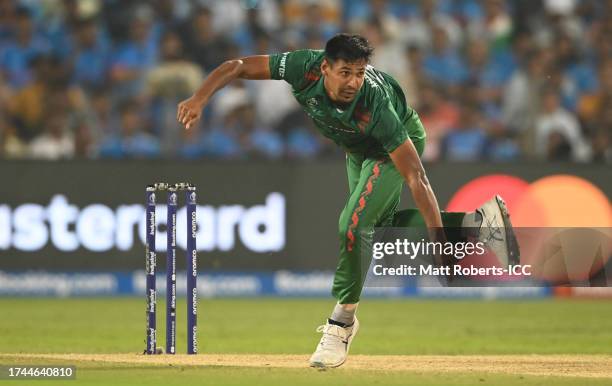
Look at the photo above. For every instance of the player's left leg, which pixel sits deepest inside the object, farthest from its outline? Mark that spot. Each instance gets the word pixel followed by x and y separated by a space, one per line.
pixel 373 200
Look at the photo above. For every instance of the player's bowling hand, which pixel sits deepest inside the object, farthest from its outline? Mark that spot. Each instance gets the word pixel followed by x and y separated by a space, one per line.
pixel 189 111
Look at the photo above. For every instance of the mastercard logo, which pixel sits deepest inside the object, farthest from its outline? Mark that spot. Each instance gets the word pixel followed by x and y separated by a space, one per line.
pixel 562 223
pixel 552 201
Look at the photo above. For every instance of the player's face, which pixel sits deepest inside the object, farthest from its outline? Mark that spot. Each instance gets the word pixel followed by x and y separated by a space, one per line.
pixel 342 79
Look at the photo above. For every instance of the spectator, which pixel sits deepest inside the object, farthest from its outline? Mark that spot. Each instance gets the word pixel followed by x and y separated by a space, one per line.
pixel 301 139
pixel 224 140
pixel 18 53
pixel 439 116
pixel 191 144
pixel 226 15
pixel 100 118
pixel 521 102
pixel 204 45
pixel 117 16
pixel 443 63
pixel 133 141
pixel 557 131
pixel 302 143
pixel 84 141
pixel 166 15
pixel 272 100
pixel 25 109
pixel 257 27
pixel 419 28
pixel 8 19
pixel 414 56
pixel 495 55
pixel 91 57
pixel 262 141
pixel 319 15
pixel 485 75
pixel 359 12
pixel 501 144
pixel 137 142
pixel 229 99
pixel 61 20
pixel 600 35
pixel 135 56
pixel 468 142
pixel 558 19
pixel 495 27
pixel 579 76
pixel 313 40
pixel 172 80
pixel 173 77
pixel 602 140
pixel 389 55
pixel 56 141
pixel 592 106
pixel 11 146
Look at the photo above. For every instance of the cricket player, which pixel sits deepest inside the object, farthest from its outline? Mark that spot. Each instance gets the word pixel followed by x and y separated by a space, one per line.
pixel 364 111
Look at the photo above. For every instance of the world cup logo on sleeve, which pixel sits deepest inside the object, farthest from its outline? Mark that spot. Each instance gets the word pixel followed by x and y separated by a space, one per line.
pixel 173 199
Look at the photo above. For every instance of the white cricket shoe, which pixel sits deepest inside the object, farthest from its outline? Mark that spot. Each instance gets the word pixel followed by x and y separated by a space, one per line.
pixel 334 345
pixel 495 231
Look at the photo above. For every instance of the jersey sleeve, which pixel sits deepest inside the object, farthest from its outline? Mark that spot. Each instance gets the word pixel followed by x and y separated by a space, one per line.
pixel 387 128
pixel 292 66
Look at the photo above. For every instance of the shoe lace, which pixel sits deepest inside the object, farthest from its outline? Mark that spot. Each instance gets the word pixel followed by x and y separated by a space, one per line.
pixel 495 233
pixel 332 335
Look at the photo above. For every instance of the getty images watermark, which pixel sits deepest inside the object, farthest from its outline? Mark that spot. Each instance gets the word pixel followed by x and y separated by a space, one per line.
pixel 405 249
pixel 470 257
pixel 466 257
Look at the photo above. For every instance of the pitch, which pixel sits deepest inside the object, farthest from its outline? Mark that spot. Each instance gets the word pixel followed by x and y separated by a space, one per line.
pixel 268 341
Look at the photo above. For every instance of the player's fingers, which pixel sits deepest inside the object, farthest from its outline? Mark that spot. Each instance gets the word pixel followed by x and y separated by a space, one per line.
pixel 183 108
pixel 188 124
pixel 191 122
pixel 185 114
pixel 186 117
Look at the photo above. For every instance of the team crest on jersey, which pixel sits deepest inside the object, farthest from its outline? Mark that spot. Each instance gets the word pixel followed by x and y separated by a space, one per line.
pixel 312 102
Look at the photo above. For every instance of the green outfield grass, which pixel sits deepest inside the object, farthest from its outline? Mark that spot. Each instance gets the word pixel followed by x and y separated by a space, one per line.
pixel 272 326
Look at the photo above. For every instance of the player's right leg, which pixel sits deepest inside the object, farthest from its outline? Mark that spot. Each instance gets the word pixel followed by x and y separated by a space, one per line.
pixel 489 224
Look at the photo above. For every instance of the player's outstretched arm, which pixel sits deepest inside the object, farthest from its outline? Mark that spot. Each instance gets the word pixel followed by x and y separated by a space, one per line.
pixel 250 67
pixel 408 163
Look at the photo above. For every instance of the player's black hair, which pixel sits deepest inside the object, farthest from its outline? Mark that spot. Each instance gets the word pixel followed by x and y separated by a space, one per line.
pixel 350 48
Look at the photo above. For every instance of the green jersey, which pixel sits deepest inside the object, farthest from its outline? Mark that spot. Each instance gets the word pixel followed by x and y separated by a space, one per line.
pixel 375 123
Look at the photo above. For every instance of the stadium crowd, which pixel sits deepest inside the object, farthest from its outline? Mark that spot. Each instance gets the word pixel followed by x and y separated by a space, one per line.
pixel 491 79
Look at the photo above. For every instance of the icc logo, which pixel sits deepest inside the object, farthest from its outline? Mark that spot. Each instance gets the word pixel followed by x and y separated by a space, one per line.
pixel 192 197
pixel 152 198
pixel 173 199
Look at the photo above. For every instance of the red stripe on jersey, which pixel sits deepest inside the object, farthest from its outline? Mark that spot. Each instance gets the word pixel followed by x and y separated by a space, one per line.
pixel 350 235
pixel 312 76
pixel 362 117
